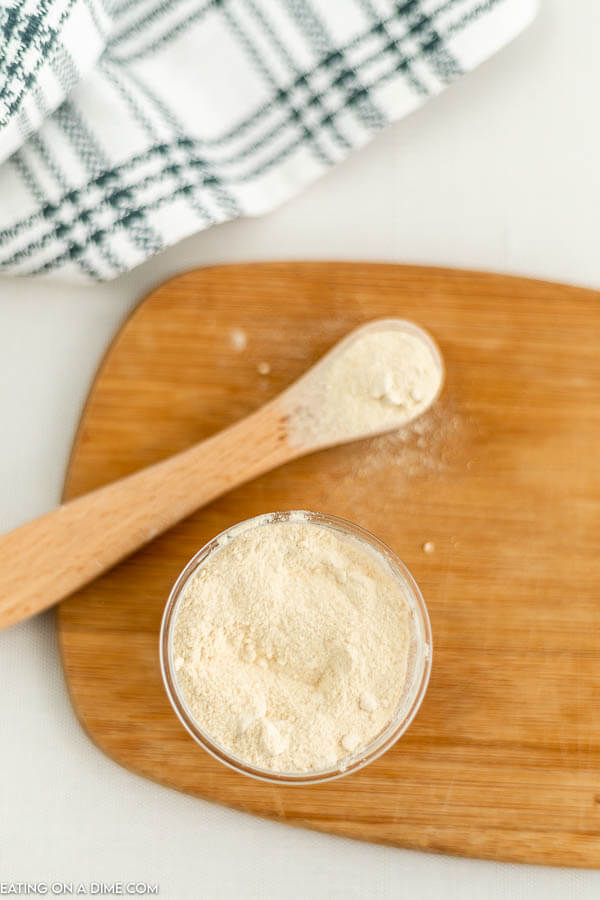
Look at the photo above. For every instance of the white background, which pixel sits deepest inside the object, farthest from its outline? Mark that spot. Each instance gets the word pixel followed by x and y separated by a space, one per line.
pixel 502 173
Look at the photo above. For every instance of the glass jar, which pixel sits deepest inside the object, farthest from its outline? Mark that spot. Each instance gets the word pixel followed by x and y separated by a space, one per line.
pixel 419 655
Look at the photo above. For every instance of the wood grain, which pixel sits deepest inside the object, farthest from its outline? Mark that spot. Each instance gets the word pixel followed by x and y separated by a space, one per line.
pixel 503 760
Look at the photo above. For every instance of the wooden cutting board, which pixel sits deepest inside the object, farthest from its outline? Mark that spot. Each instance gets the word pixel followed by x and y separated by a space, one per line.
pixel 502 477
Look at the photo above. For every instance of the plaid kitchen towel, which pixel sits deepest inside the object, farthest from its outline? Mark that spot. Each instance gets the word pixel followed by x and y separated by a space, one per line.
pixel 126 125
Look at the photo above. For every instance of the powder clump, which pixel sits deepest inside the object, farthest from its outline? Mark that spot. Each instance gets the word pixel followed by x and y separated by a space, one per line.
pixel 294 642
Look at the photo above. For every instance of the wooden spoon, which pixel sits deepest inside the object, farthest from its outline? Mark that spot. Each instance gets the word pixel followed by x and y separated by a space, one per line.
pixel 52 556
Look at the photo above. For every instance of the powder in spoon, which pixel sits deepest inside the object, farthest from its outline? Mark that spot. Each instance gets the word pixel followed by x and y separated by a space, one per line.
pixel 291 643
pixel 384 377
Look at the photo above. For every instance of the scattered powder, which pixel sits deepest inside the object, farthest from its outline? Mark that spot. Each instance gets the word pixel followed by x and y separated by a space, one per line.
pixel 424 449
pixel 291 645
pixel 239 339
pixel 379 379
pixel 390 474
pixel 263 368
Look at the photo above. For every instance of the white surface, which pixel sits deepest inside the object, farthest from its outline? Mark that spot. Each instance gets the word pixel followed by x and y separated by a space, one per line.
pixel 501 172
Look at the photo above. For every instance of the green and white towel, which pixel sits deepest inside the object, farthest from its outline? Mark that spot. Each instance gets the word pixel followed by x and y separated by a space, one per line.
pixel 126 125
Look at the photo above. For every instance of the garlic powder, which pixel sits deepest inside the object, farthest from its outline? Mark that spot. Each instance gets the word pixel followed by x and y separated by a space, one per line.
pixel 291 645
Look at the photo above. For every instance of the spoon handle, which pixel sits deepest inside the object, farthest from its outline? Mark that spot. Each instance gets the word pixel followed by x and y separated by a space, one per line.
pixel 45 560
